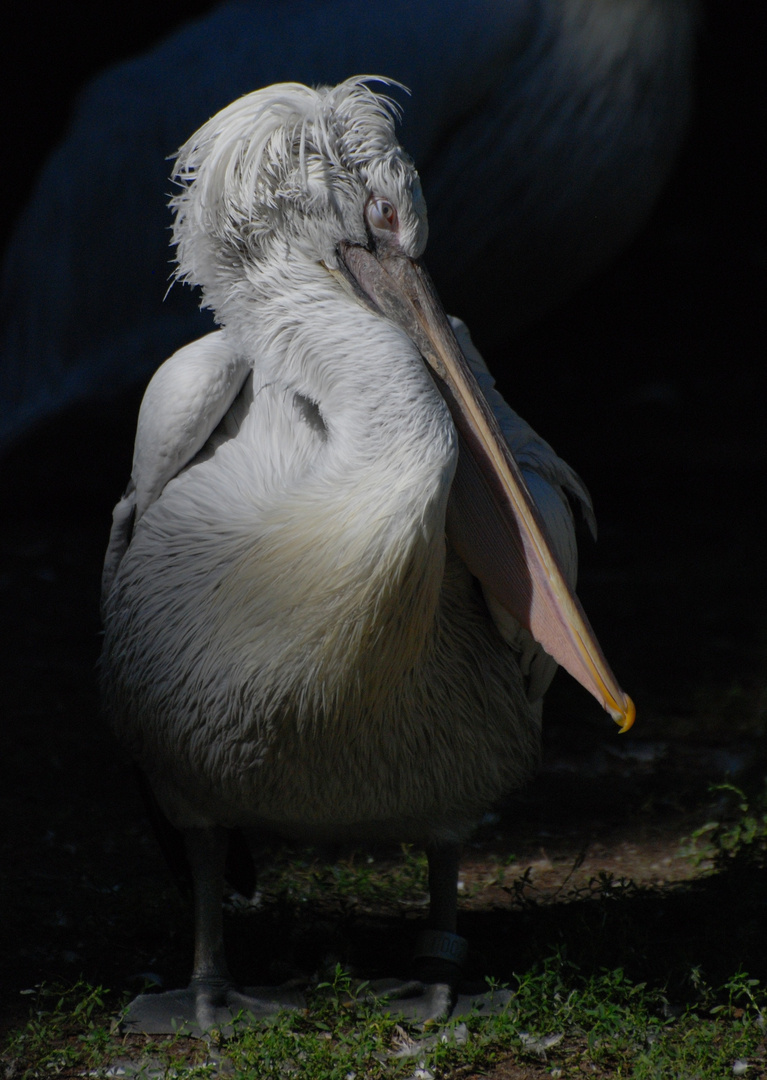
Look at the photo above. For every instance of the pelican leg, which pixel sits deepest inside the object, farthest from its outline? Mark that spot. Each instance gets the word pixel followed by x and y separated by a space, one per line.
pixel 211 982
pixel 440 953
pixel 211 1000
pixel 206 850
pixel 443 886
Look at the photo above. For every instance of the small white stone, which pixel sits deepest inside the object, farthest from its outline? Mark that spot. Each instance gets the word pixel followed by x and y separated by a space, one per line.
pixel 539 1046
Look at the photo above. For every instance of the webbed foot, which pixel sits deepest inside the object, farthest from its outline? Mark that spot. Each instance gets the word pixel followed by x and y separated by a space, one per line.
pixel 439 993
pixel 435 1002
pixel 204 1006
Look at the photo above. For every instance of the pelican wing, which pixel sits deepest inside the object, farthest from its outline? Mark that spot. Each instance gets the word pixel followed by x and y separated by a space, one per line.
pixel 183 404
pixel 185 401
pixel 550 481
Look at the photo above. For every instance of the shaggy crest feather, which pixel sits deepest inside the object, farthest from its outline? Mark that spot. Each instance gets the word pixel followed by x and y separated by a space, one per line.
pixel 284 152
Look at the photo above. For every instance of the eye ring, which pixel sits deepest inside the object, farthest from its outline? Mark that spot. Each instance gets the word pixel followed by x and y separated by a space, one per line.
pixel 381 214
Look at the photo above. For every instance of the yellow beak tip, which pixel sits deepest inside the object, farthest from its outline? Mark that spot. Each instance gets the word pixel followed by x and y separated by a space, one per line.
pixel 627 716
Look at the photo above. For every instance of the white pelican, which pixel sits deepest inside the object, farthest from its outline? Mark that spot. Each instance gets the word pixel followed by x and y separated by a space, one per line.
pixel 329 589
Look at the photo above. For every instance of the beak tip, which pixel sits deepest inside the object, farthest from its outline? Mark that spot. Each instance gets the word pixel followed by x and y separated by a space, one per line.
pixel 625 716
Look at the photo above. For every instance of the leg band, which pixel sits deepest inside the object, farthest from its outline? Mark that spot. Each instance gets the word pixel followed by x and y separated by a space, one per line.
pixel 441 945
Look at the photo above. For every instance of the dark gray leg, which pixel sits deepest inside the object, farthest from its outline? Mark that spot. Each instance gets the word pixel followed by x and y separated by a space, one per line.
pixel 440 952
pixel 210 1000
pixel 206 850
pixel 443 886
pixel 440 943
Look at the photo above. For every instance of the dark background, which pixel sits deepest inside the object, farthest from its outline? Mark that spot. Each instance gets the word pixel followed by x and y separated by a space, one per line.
pixel 649 381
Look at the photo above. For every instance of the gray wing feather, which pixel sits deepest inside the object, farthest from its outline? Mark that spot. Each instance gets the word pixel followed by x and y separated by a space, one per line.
pixel 185 401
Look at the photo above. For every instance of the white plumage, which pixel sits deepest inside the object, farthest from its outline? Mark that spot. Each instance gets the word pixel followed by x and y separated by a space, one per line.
pixel 292 640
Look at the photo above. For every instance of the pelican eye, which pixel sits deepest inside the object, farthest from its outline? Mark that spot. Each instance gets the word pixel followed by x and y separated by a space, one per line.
pixel 381 214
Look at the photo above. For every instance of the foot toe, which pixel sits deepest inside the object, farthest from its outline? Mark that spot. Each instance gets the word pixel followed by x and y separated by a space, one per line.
pixel 420 1002
pixel 200 1008
pixel 435 1002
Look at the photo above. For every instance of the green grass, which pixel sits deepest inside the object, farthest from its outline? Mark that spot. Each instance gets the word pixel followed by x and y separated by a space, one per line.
pixel 559 1021
pixel 67 1028
pixel 298 876
pixel 738 833
pixel 612 980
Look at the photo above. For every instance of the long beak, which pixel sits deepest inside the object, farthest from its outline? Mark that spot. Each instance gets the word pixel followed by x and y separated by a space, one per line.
pixel 523 572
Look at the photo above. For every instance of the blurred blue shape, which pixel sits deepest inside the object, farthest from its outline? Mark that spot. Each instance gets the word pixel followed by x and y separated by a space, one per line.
pixel 543 131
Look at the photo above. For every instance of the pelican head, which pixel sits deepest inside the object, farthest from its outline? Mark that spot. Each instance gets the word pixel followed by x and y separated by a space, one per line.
pixel 288 173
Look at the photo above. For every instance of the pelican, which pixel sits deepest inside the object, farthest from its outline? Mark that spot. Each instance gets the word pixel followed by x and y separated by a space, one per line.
pixel 340 579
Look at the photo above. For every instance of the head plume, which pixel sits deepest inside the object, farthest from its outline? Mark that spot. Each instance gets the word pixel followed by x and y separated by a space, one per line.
pixel 282 153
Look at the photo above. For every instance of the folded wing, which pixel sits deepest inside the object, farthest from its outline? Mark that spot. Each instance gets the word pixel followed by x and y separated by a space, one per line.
pixel 185 401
